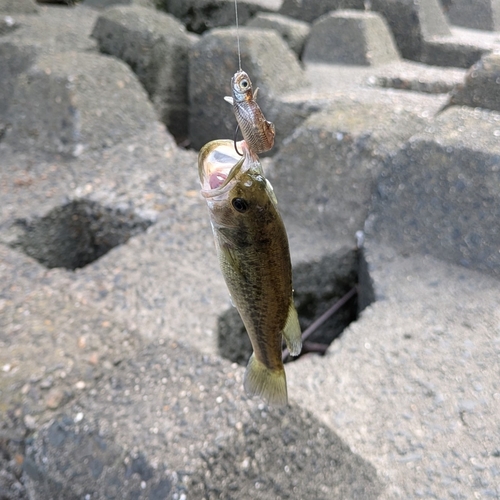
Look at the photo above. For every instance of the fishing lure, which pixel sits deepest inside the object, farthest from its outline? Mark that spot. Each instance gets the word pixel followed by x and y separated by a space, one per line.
pixel 257 131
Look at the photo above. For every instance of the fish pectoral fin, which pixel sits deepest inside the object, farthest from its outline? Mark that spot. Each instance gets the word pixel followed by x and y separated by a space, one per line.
pixel 255 94
pixel 269 384
pixel 292 333
pixel 229 100
pixel 230 259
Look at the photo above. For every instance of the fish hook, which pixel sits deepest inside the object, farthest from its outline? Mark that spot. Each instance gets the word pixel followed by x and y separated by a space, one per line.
pixel 234 139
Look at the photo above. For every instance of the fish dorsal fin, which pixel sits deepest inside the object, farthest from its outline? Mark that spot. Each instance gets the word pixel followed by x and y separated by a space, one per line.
pixel 292 332
pixel 270 190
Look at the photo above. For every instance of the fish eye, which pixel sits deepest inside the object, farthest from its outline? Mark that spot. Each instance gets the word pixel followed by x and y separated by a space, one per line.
pixel 244 84
pixel 240 205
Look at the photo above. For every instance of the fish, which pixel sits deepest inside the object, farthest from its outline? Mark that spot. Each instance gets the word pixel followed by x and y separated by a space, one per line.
pixel 257 131
pixel 254 257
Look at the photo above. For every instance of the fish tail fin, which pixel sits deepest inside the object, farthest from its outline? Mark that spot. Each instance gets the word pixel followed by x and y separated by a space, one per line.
pixel 292 333
pixel 266 383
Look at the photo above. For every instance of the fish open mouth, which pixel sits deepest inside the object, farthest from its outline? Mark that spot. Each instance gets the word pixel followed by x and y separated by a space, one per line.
pixel 216 165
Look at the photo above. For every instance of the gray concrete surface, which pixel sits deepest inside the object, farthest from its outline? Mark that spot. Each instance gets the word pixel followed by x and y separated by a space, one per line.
pixel 19 6
pixel 104 4
pixel 326 171
pixel 350 37
pixel 413 383
pixel 111 377
pixel 202 15
pixel 481 87
pixel 476 14
pixel 55 105
pixel 156 47
pixel 412 23
pixel 439 194
pixel 461 49
pixel 310 11
pixel 293 31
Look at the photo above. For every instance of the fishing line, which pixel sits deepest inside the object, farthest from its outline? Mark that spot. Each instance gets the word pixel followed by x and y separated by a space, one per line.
pixel 239 64
pixel 237 32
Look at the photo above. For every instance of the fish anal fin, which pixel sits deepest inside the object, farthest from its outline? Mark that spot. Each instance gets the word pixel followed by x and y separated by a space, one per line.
pixel 269 384
pixel 292 333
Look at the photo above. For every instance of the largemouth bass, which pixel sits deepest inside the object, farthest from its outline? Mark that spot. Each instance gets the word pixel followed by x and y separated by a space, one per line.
pixel 257 131
pixel 254 258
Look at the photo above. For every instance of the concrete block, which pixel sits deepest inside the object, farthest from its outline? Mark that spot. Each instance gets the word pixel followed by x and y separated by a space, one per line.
pixel 201 15
pixel 418 78
pixel 51 31
pixel 72 101
pixel 54 30
pixel 14 59
pixel 155 45
pixel 482 85
pixel 18 7
pixel 350 37
pixel 326 171
pixel 310 11
pixel 412 383
pixel 294 32
pixel 440 193
pixel 52 358
pixel 411 22
pixel 452 52
pixel 270 63
pixel 475 14
pixel 171 423
pixel 104 4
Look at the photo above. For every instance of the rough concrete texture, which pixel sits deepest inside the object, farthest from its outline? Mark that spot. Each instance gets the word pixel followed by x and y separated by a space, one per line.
pixel 475 14
pixel 56 105
pixel 18 6
pixel 203 439
pixel 264 55
pixel 53 347
pixel 440 193
pixel 104 4
pixel 343 148
pixel 310 11
pixel 52 31
pixel 413 383
pixel 418 78
pixel 156 47
pixel 461 49
pixel 111 378
pixel 412 22
pixel 350 37
pixel 7 25
pixel 422 34
pixel 481 87
pixel 294 32
pixel 202 15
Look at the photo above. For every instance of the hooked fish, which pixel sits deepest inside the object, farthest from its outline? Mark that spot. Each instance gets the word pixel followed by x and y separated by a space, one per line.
pixel 254 258
pixel 257 131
